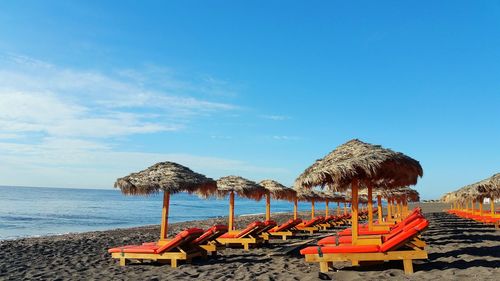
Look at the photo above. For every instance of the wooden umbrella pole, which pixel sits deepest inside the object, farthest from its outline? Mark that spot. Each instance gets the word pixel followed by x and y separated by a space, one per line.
pixel 345 208
pixel 326 209
pixel 389 211
pixel 338 208
pixel 354 211
pixel 370 207
pixel 400 208
pixel 231 210
pixel 380 212
pixel 164 216
pixel 481 207
pixel 312 209
pixel 295 207
pixel 268 206
pixel 492 206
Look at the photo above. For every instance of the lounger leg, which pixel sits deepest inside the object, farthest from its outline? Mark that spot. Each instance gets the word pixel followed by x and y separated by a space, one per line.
pixel 323 266
pixel 355 263
pixel 284 237
pixel 246 247
pixel 408 266
pixel 173 263
pixel 123 262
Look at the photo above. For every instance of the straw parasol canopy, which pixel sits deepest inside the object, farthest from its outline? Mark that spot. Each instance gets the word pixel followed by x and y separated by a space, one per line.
pixel 165 176
pixel 356 161
pixel 231 185
pixel 240 186
pixel 277 190
pixel 362 161
pixel 495 185
pixel 168 177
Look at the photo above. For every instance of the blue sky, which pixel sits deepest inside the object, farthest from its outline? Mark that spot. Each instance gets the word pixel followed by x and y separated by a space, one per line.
pixel 93 90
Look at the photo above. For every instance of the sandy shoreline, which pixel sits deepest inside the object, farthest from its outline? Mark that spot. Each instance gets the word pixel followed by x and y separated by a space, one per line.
pixel 458 250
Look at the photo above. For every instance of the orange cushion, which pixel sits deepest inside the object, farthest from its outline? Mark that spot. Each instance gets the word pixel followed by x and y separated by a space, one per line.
pixel 211 234
pixel 398 240
pixel 283 226
pixel 251 227
pixel 340 249
pixel 183 237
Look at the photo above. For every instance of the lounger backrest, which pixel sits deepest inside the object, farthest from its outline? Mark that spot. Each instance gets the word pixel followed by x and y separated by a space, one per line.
pixel 211 234
pixel 267 226
pixel 422 225
pixel 183 238
pixel 312 222
pixel 407 220
pixel 250 229
pixel 284 226
pixel 395 232
pixel 398 240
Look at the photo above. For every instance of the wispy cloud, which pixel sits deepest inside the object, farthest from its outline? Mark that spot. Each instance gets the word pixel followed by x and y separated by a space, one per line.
pixel 60 126
pixel 275 117
pixel 285 138
pixel 37 96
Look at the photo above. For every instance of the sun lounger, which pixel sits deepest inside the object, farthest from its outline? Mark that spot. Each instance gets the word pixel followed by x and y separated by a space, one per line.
pixel 373 239
pixel 311 225
pixel 179 248
pixel 363 230
pixel 399 247
pixel 246 237
pixel 208 240
pixel 285 230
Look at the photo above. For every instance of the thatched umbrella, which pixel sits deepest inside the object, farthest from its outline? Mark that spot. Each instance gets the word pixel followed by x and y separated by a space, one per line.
pixel 168 177
pixel 357 161
pixel 231 185
pixel 309 196
pixel 278 192
pixel 332 197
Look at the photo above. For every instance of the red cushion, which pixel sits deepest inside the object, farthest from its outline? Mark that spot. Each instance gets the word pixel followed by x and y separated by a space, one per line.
pixel 185 236
pixel 283 226
pixel 330 240
pixel 398 240
pixel 143 249
pixel 340 249
pixel 211 234
pixel 363 232
pixel 152 248
pixel 250 228
pixel 311 222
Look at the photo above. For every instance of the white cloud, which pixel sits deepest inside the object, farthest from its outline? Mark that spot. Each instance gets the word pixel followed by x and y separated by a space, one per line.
pixel 59 126
pixel 275 117
pixel 286 138
pixel 36 96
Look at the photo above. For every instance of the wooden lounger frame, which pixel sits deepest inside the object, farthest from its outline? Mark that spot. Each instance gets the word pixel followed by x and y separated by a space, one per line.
pixel 212 247
pixel 284 234
pixel 407 256
pixel 310 229
pixel 245 241
pixel 173 257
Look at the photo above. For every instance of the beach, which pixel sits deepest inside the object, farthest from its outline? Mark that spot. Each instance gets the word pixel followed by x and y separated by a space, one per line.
pixel 458 250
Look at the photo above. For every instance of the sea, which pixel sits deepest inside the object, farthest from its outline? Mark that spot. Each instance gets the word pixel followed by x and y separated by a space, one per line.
pixel 39 211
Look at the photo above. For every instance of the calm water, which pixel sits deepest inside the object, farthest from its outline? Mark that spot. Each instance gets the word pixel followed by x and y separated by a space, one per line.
pixel 35 211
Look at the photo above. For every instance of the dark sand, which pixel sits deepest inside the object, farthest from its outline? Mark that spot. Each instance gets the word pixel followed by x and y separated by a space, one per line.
pixel 458 250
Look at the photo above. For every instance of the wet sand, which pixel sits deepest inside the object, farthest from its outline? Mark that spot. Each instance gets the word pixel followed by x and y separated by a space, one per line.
pixel 458 250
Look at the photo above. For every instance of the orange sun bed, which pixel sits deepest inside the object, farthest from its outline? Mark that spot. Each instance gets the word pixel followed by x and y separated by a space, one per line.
pixel 399 247
pixel 179 248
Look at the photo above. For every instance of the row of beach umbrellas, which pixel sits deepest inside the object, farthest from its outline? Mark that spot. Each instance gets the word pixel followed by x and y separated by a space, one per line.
pixel 475 193
pixel 352 171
